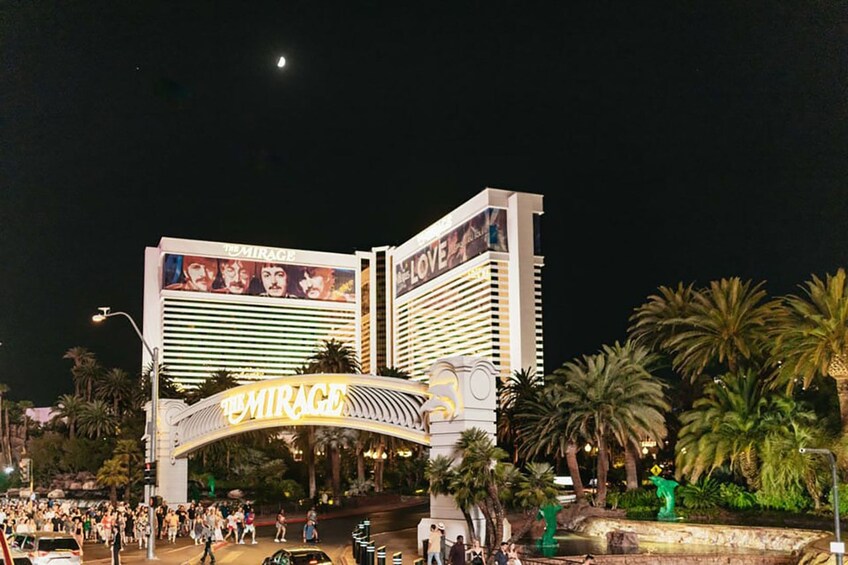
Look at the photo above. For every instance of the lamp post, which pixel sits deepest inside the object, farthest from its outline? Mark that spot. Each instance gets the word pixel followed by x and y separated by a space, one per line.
pixel 837 548
pixel 105 312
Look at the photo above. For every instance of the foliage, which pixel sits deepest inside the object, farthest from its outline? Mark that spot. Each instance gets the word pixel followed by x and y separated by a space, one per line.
pixel 639 498
pixel 813 329
pixel 793 499
pixel 292 490
pixel 736 497
pixel 843 498
pixel 703 495
pixel 334 357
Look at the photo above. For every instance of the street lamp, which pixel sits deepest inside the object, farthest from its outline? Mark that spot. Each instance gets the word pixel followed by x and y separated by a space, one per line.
pixel 105 312
pixel 837 548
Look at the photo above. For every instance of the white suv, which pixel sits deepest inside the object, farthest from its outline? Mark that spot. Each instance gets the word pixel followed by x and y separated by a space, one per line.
pixel 49 548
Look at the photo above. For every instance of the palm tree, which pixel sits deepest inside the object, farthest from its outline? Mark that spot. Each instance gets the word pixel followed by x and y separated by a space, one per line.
pixel 113 474
pixel 115 384
pixel 334 357
pixel 96 419
pixel 520 389
pixel 393 372
pixel 811 337
pixel 655 322
pixel 607 397
pixel 219 381
pixel 7 456
pixel 723 326
pixel 69 408
pixel 444 481
pixel 332 440
pixel 542 419
pixel 25 405
pixel 730 424
pixel 128 451
pixel 80 356
pixel 535 490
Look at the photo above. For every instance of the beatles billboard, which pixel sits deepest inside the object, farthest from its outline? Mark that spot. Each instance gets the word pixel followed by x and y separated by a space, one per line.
pixel 484 232
pixel 234 275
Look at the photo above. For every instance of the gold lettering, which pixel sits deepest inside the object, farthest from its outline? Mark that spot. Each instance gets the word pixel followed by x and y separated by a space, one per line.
pixel 284 401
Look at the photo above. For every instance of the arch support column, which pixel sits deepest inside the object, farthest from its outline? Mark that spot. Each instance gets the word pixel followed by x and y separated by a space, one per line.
pixel 463 395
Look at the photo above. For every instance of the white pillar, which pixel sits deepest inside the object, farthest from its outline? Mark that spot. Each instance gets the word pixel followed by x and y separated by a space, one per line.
pixel 464 396
pixel 522 290
pixel 172 474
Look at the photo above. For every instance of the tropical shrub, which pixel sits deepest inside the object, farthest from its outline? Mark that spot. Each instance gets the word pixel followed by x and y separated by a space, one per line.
pixel 639 498
pixel 843 498
pixel 793 499
pixel 736 497
pixel 701 496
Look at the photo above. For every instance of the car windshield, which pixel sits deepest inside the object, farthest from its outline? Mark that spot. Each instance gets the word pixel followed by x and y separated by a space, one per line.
pixel 311 558
pixel 57 544
pixel 17 561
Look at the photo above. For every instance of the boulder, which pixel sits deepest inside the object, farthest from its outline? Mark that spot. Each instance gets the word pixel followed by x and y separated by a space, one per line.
pixel 235 494
pixel 89 485
pixel 56 493
pixel 619 541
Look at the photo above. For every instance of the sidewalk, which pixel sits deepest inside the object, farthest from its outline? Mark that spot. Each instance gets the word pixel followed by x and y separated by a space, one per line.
pixel 402 502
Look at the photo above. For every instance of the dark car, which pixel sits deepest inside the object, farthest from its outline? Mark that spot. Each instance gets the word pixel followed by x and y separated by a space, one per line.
pixel 298 556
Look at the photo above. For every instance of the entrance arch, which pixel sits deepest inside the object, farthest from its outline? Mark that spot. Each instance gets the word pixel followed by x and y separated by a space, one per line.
pixel 461 394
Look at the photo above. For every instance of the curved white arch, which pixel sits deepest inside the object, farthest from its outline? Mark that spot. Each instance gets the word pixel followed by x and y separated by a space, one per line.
pixel 379 404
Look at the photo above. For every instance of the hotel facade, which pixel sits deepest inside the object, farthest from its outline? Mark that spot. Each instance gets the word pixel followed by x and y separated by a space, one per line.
pixel 470 284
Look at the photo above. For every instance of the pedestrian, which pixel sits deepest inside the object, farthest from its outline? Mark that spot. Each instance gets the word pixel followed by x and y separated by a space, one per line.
pixel 512 555
pixel 457 552
pixel 312 515
pixel 588 560
pixel 208 538
pixel 239 525
pixel 443 545
pixel 310 532
pixel 281 526
pixel 249 526
pixel 501 557
pixel 477 553
pixel 116 545
pixel 434 546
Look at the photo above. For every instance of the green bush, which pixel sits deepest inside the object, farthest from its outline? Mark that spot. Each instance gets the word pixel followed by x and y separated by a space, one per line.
pixel 843 498
pixel 790 500
pixel 736 497
pixel 639 498
pixel 703 495
pixel 642 513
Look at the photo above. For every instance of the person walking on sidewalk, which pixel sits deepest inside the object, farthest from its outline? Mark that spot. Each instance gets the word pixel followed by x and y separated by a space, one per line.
pixel 434 546
pixel 310 532
pixel 249 526
pixel 209 539
pixel 281 526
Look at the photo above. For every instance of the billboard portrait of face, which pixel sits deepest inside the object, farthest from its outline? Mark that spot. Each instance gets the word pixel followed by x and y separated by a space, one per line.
pixel 188 272
pixel 234 276
pixel 274 279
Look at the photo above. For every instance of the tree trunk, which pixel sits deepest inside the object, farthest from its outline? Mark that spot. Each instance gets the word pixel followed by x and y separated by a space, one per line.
pixel 574 470
pixel 470 523
pixel 336 463
pixel 603 468
pixel 842 394
pixel 630 466
pixel 309 454
pixel 113 495
pixel 360 466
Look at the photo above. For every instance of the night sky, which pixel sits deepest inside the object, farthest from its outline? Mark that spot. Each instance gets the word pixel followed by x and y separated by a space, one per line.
pixel 679 141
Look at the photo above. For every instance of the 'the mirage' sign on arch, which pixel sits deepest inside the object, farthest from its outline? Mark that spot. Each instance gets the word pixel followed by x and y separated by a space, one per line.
pixel 285 401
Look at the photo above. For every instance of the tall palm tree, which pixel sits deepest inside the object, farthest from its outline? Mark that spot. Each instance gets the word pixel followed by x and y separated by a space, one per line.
pixel 811 337
pixel 7 457
pixel 113 474
pixel 81 357
pixel 542 420
pixel 653 323
pixel 520 389
pixel 332 440
pixel 25 405
pixel 724 326
pixel 114 385
pixel 69 407
pixel 334 357
pixel 96 419
pixel 609 397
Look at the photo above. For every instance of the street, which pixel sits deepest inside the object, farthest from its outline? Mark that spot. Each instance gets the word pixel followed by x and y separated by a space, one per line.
pixel 394 528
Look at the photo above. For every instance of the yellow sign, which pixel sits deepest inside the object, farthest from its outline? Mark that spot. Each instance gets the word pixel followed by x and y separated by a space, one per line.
pixel 292 402
pixel 656 470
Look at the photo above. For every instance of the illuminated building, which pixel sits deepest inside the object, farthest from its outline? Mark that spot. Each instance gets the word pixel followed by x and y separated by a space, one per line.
pixel 470 284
